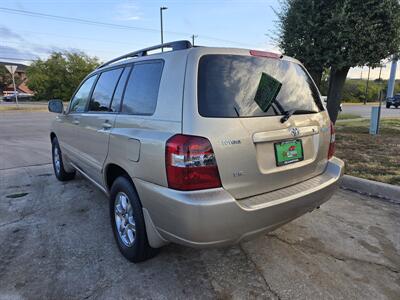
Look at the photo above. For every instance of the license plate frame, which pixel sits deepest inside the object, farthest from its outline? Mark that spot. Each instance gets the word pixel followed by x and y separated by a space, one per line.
pixel 285 154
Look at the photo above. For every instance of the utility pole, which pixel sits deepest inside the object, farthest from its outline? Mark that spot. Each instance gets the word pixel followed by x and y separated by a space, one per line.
pixel 366 88
pixel 193 37
pixel 12 69
pixel 392 79
pixel 161 23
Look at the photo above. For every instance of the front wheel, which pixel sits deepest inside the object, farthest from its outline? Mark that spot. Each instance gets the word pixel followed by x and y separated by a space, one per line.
pixel 127 221
pixel 58 164
pixel 387 105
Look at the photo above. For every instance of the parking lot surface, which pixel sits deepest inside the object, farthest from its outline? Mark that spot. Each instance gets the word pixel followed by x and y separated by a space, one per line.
pixel 56 242
pixel 365 111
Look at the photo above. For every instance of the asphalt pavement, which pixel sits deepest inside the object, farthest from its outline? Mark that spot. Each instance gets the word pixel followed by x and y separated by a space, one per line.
pixel 56 242
pixel 24 138
pixel 365 111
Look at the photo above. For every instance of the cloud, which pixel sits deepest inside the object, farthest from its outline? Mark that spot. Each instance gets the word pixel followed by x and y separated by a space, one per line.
pixel 127 11
pixel 16 53
pixel 6 33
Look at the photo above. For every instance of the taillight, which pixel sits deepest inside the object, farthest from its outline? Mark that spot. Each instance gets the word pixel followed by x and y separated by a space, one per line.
pixel 331 150
pixel 190 163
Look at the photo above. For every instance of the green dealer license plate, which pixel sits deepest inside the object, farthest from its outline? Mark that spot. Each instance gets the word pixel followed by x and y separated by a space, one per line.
pixel 288 152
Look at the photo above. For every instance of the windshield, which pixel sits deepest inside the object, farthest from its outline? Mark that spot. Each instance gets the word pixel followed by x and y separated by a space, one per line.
pixel 245 86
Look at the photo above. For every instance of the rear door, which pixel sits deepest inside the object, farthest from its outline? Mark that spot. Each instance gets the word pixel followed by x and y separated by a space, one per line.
pixel 241 100
pixel 98 121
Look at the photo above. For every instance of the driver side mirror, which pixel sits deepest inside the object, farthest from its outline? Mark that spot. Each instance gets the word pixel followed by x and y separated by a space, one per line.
pixel 56 106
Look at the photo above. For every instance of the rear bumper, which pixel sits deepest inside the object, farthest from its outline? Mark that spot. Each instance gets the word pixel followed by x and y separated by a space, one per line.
pixel 213 217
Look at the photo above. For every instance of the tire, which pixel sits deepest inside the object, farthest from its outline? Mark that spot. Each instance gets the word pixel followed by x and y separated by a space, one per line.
pixel 58 165
pixel 127 222
pixel 396 106
pixel 387 105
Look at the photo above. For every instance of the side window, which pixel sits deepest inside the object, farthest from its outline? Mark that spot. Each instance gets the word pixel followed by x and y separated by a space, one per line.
pixel 104 90
pixel 142 88
pixel 116 102
pixel 78 103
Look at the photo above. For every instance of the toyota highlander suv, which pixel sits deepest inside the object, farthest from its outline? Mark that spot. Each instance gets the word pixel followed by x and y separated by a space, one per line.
pixel 197 146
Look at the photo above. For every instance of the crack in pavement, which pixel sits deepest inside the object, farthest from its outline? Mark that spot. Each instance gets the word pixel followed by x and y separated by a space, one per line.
pixel 340 258
pixel 259 271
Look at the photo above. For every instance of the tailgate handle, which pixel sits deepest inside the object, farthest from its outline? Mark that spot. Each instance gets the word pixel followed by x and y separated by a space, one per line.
pixel 283 134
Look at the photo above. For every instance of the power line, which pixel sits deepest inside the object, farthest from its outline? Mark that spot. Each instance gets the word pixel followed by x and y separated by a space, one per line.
pixel 105 24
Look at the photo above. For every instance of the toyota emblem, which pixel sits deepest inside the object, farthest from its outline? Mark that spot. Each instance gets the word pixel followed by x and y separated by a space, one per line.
pixel 294 131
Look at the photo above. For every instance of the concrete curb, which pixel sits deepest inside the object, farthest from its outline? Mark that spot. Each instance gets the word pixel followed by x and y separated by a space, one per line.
pixel 372 188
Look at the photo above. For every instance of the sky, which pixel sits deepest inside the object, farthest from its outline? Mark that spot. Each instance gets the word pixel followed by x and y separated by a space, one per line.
pixel 242 24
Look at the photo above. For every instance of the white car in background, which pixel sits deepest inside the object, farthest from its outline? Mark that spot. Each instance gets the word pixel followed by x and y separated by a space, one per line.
pixel 325 101
pixel 10 96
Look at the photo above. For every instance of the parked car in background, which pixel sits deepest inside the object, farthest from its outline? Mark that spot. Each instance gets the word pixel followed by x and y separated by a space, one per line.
pixel 393 101
pixel 198 146
pixel 10 96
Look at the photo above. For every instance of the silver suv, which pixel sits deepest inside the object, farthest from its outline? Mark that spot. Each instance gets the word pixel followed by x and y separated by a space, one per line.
pixel 198 146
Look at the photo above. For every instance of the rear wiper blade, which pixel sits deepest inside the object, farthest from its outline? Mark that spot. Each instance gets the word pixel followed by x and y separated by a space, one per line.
pixel 236 111
pixel 289 113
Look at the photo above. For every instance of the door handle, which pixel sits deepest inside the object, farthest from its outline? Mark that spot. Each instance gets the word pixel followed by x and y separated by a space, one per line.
pixel 106 125
pixel 75 122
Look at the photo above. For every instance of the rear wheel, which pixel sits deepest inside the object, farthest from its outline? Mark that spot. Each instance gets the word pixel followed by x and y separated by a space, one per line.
pixel 396 106
pixel 58 164
pixel 127 221
pixel 387 105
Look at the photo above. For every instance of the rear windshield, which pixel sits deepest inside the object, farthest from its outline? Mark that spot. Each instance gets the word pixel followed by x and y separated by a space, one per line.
pixel 245 86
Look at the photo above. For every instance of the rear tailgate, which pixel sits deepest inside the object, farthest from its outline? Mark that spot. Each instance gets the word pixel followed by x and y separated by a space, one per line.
pixel 241 116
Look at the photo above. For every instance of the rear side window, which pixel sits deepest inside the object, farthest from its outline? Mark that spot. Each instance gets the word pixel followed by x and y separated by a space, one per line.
pixel 244 86
pixel 141 91
pixel 81 97
pixel 116 102
pixel 104 90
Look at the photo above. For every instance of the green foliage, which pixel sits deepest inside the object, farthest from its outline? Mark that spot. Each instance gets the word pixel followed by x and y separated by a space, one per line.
pixel 339 35
pixel 342 33
pixel 59 75
pixel 301 33
pixel 354 90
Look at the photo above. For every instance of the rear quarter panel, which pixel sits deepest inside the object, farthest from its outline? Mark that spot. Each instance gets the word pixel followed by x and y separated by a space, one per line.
pixel 137 142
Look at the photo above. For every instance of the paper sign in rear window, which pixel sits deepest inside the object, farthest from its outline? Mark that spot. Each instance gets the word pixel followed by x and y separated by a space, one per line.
pixel 267 91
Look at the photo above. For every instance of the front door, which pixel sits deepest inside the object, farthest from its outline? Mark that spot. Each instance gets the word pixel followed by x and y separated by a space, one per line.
pixel 69 128
pixel 96 124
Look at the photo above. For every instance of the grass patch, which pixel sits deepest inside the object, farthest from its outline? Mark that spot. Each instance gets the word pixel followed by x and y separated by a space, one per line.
pixel 367 156
pixel 344 116
pixel 22 108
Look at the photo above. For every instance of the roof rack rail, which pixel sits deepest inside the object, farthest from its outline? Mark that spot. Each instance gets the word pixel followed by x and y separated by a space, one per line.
pixel 177 45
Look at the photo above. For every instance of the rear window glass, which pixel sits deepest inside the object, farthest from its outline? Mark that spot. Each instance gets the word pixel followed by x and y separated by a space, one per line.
pixel 245 86
pixel 141 91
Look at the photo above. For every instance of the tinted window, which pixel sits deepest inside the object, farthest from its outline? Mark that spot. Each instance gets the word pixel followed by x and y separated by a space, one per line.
pixel 116 102
pixel 142 89
pixel 104 90
pixel 233 86
pixel 78 103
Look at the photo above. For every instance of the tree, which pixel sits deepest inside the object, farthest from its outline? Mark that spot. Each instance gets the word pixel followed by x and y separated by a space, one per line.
pixel 350 33
pixel 301 35
pixel 59 75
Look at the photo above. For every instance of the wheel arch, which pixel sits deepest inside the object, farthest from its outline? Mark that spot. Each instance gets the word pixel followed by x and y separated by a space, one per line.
pixel 113 171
